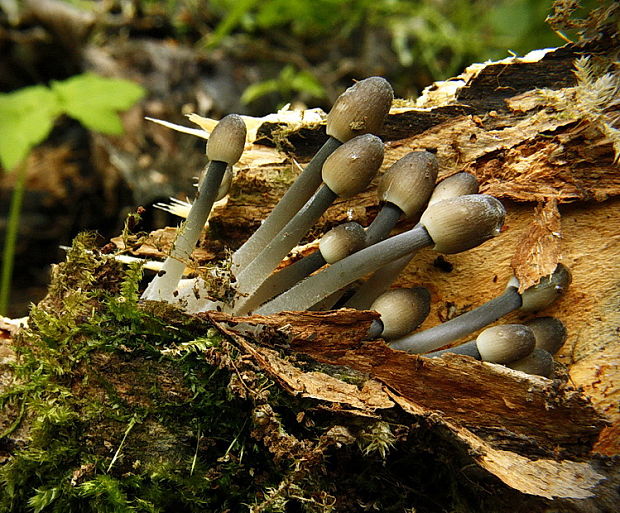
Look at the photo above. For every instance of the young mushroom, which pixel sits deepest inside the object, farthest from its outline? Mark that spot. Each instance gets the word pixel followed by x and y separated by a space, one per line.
pixel 336 244
pixel 347 171
pixel 404 189
pixel 498 344
pixel 402 311
pixel 505 343
pixel 502 344
pixel 533 298
pixel 550 333
pixel 539 362
pixel 460 184
pixel 224 148
pixel 468 221
pixel 361 109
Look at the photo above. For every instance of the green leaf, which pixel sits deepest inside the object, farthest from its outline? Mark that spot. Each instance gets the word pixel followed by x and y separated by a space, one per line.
pixel 255 91
pixel 237 10
pixel 305 82
pixel 26 119
pixel 95 100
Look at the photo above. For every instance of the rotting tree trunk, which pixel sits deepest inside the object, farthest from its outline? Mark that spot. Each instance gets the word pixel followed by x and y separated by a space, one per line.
pixel 538 134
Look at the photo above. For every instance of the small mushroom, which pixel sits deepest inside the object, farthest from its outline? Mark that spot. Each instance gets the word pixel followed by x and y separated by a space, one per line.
pixel 480 217
pixel 460 184
pixel 539 362
pixel 404 189
pixel 536 297
pixel 498 344
pixel 505 343
pixel 550 333
pixel 346 172
pixel 337 243
pixel 402 310
pixel 361 109
pixel 224 148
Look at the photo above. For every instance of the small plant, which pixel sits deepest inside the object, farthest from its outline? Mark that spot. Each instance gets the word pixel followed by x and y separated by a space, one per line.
pixel 27 117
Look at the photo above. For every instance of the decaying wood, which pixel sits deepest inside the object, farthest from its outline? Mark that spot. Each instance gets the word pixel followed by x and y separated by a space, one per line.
pixel 555 168
pixel 526 414
pixel 537 132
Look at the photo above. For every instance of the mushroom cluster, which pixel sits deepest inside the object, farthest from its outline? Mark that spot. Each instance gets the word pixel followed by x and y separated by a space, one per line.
pixel 452 217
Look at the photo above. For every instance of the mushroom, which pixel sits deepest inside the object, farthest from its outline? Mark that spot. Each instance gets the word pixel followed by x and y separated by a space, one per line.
pixel 505 343
pixel 460 184
pixel 511 344
pixel 224 148
pixel 531 299
pixel 402 310
pixel 404 189
pixel 467 222
pixel 550 333
pixel 538 362
pixel 347 171
pixel 498 344
pixel 361 109
pixel 336 244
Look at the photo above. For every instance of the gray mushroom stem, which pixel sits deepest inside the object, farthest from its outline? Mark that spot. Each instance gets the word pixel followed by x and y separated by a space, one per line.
pixel 315 288
pixel 383 223
pixel 166 280
pixel 468 348
pixel 224 148
pixel 293 200
pixel 460 326
pixel 378 283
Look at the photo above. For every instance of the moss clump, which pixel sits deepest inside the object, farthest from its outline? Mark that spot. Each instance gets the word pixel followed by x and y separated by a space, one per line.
pixel 122 406
pixel 124 409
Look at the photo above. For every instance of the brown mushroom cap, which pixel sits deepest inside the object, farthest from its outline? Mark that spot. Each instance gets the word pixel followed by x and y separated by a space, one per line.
pixel 353 165
pixel 461 223
pixel 227 140
pixel 402 310
pixel 361 109
pixel 409 182
pixel 341 241
pixel 505 343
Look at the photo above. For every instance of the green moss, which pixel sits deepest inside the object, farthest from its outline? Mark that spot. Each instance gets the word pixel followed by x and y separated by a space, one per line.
pixel 139 407
pixel 123 406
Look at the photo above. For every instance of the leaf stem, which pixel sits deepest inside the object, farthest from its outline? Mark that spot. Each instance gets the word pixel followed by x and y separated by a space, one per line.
pixel 10 238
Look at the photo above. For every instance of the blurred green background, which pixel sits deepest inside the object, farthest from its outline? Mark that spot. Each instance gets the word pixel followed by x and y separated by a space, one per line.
pixel 209 57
